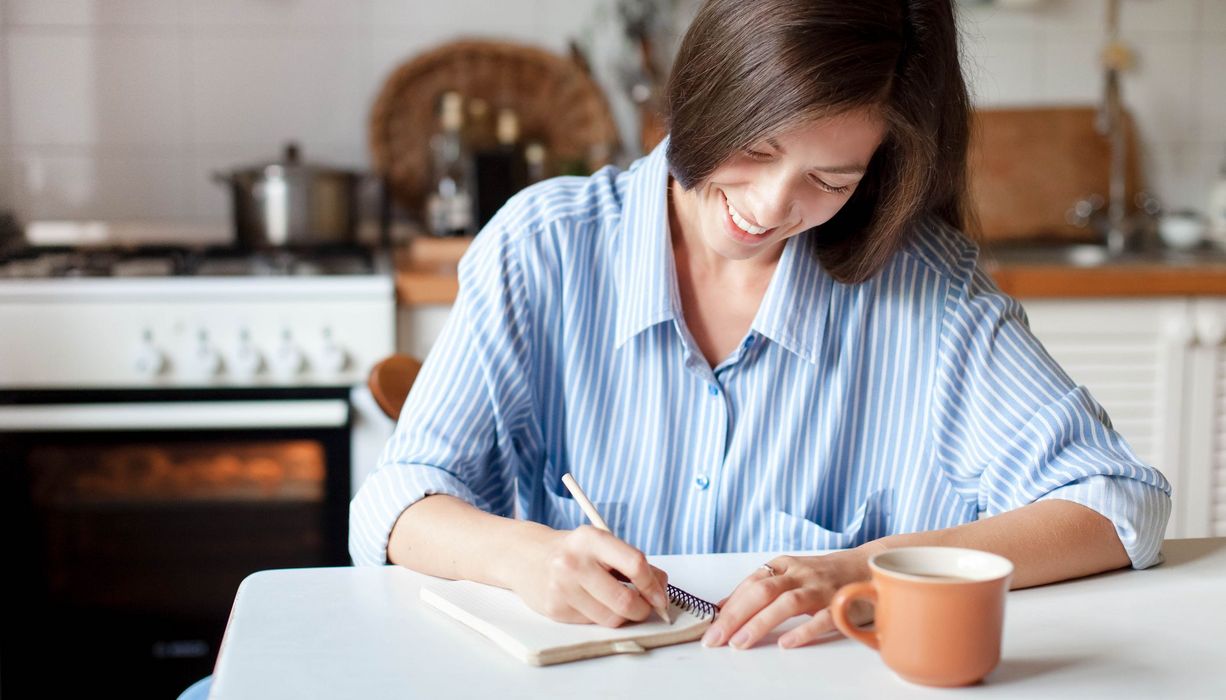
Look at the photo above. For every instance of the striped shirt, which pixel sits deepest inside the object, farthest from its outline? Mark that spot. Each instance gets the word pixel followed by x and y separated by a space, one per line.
pixel 913 401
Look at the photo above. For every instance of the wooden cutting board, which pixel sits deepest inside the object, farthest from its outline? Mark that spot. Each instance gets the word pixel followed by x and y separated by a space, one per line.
pixel 1028 166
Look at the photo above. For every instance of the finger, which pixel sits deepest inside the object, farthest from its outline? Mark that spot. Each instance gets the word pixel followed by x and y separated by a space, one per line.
pixel 592 608
pixel 746 601
pixel 622 600
pixel 564 612
pixel 812 630
pixel 617 555
pixel 754 576
pixel 788 604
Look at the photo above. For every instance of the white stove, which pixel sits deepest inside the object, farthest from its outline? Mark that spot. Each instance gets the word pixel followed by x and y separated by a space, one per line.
pixel 178 318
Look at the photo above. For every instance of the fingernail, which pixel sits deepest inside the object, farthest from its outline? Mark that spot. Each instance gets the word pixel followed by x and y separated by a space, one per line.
pixel 786 643
pixel 739 639
pixel 712 638
pixel 659 600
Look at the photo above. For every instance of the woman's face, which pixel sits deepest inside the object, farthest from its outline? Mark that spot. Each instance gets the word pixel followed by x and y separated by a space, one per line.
pixel 780 186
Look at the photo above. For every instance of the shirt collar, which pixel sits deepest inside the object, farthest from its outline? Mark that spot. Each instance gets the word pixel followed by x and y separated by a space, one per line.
pixel 794 309
pixel 645 274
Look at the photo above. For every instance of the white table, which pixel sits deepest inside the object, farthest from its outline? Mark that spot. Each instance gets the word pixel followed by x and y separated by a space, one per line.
pixel 363 633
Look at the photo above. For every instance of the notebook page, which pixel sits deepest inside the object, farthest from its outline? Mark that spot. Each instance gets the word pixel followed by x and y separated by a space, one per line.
pixel 502 616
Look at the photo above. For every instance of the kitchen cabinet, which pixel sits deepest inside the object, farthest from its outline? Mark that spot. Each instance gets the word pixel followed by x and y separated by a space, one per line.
pixel 1206 500
pixel 1158 366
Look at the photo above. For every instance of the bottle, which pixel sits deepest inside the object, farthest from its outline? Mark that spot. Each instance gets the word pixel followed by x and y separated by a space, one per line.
pixel 1217 209
pixel 501 170
pixel 449 204
pixel 535 156
pixel 479 126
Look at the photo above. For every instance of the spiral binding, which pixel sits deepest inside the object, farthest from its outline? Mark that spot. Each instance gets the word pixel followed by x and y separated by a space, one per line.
pixel 692 603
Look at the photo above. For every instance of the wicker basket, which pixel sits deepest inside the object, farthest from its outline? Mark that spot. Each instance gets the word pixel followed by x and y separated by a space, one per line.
pixel 557 102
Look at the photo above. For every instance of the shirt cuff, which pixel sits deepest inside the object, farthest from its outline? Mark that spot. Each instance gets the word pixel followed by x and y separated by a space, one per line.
pixel 385 494
pixel 1138 510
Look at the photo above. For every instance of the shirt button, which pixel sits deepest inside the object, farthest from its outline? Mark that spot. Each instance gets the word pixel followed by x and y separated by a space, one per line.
pixel 713 389
pixel 701 482
pixel 749 341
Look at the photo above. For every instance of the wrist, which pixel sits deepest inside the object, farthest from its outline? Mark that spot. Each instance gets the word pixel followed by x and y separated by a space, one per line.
pixel 525 554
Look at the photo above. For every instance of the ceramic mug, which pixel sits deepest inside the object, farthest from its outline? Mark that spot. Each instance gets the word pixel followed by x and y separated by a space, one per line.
pixel 940 612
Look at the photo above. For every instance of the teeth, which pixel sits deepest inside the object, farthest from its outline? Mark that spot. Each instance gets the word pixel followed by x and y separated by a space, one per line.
pixel 740 221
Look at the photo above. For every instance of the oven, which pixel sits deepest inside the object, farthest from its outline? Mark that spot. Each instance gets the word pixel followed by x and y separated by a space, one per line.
pixel 130 518
pixel 170 422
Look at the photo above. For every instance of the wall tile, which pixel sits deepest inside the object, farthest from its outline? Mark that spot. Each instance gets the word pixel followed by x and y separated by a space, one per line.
pixel 1212 16
pixel 515 18
pixel 82 184
pixel 89 13
pixel 1210 96
pixel 1167 170
pixel 79 89
pixel 1069 69
pixel 281 15
pixel 5 130
pixel 1158 16
pixel 997 21
pixel 1001 72
pixel 6 179
pixel 1073 14
pixel 253 90
pixel 1159 90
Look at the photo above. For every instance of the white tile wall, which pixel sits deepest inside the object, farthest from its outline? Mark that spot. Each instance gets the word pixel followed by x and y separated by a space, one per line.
pixel 122 108
pixel 85 89
pixel 89 13
pixel 1049 55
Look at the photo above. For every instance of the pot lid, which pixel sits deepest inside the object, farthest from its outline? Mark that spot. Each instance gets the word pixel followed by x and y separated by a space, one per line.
pixel 291 163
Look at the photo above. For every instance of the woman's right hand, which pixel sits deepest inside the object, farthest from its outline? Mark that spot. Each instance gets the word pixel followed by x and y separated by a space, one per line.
pixel 570 578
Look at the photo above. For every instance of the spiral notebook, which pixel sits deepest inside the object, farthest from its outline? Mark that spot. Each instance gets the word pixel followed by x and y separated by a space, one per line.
pixel 534 639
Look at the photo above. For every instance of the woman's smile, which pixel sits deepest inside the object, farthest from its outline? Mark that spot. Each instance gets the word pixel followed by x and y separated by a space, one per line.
pixel 742 231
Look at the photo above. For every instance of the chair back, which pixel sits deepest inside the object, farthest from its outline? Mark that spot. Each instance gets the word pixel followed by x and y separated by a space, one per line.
pixel 390 380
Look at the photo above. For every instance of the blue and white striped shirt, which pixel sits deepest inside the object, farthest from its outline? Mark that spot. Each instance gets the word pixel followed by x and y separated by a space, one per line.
pixel 913 401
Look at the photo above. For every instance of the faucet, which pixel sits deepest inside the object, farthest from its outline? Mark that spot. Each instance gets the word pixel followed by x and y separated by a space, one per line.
pixel 1116 58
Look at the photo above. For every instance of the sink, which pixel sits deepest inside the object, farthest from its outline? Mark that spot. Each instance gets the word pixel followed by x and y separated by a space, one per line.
pixel 1095 255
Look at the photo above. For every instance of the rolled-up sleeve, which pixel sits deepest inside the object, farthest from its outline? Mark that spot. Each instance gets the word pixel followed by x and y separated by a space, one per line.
pixel 460 430
pixel 1013 428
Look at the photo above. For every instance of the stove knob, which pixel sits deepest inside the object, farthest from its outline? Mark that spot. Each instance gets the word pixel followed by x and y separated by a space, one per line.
pixel 248 360
pixel 288 359
pixel 150 362
pixel 333 358
pixel 205 360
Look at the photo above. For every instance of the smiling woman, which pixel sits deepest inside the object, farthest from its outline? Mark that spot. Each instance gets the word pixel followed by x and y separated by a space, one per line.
pixel 770 334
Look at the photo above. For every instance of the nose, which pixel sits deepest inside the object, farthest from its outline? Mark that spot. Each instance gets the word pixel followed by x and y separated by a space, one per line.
pixel 772 201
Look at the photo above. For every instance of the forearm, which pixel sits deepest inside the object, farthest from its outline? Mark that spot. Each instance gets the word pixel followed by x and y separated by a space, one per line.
pixel 444 536
pixel 1047 541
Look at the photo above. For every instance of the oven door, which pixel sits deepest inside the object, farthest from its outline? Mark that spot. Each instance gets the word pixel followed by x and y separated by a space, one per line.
pixel 130 518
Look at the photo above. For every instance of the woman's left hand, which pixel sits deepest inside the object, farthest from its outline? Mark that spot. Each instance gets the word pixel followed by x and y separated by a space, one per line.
pixel 793 586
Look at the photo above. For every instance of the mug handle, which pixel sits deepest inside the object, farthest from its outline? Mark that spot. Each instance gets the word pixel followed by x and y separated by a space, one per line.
pixel 861 590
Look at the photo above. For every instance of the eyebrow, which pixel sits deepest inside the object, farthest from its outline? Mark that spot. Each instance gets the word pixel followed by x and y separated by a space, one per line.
pixel 833 169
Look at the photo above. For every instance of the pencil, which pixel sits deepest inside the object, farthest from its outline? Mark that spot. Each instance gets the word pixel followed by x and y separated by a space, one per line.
pixel 594 515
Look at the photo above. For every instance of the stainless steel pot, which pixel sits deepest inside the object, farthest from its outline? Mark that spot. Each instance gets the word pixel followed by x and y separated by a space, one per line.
pixel 292 204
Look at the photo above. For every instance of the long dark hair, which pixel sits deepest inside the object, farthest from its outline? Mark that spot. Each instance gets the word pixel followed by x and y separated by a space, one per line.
pixel 749 69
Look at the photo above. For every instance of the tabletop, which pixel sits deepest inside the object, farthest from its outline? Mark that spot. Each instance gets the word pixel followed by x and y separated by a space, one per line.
pixel 363 633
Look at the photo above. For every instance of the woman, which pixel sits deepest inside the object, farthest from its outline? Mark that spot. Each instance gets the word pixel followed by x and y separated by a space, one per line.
pixel 767 335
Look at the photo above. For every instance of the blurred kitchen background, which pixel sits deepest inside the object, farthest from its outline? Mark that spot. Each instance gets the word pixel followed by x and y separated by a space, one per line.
pixel 185 347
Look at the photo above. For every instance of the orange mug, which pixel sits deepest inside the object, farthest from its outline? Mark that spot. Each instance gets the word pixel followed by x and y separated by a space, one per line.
pixel 940 612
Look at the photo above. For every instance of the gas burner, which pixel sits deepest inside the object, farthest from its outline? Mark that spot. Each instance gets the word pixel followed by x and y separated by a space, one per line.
pixel 153 262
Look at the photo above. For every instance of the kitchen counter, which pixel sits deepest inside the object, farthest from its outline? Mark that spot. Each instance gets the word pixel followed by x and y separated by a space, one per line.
pixel 426 272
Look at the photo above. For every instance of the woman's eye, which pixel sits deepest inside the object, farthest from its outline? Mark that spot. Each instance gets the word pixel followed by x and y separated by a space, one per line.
pixel 830 188
pixel 757 155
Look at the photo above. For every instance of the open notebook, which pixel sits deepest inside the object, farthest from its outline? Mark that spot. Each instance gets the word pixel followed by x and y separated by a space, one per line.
pixel 535 639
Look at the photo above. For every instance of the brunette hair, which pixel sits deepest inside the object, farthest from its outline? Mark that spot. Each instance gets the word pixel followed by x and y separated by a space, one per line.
pixel 750 69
